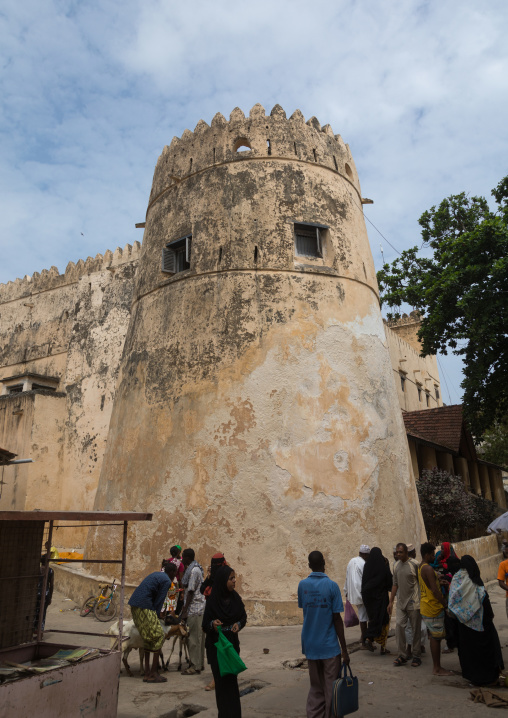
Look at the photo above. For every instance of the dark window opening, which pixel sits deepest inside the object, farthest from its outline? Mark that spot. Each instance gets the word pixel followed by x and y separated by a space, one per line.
pixel 419 393
pixel 427 398
pixel 437 392
pixel 269 147
pixel 176 255
pixel 335 163
pixel 296 153
pixel 15 389
pixel 403 381
pixel 255 254
pixel 315 156
pixel 308 240
pixel 220 254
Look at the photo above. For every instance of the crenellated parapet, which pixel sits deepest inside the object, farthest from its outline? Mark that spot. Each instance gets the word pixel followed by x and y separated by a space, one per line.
pixel 258 136
pixel 52 279
pixel 413 317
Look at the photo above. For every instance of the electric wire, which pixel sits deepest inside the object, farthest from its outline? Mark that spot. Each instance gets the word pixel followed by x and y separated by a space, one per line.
pixel 444 377
pixel 368 220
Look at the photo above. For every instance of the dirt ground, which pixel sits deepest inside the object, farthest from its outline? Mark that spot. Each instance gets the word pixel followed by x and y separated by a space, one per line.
pixel 279 691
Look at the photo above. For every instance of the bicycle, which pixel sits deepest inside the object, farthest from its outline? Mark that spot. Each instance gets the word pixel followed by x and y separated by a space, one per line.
pixel 104 605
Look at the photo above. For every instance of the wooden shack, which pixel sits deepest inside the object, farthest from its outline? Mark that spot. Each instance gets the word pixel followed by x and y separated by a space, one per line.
pixel 35 676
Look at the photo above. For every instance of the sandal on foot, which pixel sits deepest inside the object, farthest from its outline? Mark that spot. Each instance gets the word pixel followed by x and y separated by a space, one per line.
pixel 400 661
pixel 416 662
pixel 369 646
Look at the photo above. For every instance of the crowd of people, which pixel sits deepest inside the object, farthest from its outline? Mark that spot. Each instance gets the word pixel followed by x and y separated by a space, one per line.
pixel 441 597
pixel 180 592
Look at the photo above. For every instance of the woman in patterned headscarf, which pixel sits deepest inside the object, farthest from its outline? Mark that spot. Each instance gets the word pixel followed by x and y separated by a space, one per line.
pixel 480 654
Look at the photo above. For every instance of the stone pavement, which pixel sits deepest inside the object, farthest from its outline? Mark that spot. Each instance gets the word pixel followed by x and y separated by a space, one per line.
pixel 280 691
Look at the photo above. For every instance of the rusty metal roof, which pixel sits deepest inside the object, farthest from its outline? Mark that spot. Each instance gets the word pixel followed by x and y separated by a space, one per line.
pixel 74 516
pixel 6 456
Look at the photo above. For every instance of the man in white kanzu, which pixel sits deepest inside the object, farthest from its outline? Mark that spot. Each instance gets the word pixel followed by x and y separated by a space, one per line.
pixel 353 588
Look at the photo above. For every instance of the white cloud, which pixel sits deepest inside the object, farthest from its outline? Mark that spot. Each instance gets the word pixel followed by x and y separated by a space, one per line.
pixel 91 92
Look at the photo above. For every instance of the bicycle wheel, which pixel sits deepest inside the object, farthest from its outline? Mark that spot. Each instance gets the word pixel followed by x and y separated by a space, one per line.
pixel 88 606
pixel 105 610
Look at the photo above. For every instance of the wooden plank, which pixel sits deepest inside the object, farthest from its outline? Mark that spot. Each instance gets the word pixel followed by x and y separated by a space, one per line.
pixel 74 516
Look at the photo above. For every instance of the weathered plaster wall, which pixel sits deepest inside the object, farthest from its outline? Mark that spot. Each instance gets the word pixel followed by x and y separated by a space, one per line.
pixel 72 327
pixel 16 417
pixel 256 411
pixel 30 423
pixel 418 371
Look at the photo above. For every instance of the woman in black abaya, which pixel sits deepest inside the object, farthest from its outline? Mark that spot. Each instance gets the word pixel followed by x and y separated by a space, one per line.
pixel 481 659
pixel 376 583
pixel 224 608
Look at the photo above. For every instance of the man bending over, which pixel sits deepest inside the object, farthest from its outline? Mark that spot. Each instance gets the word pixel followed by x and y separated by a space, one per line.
pixel 146 603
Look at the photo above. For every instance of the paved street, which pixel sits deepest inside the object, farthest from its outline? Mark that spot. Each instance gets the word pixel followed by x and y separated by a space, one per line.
pixel 281 691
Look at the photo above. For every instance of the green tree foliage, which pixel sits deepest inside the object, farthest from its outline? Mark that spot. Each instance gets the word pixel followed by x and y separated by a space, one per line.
pixel 494 446
pixel 460 288
pixel 448 509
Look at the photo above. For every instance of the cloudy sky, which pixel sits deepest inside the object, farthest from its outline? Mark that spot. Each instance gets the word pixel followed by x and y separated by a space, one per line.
pixel 92 91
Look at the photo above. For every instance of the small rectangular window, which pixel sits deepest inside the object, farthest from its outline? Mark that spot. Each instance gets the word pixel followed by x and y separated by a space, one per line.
pixel 427 398
pixel 437 392
pixel 419 392
pixel 403 381
pixel 308 240
pixel 15 389
pixel 176 255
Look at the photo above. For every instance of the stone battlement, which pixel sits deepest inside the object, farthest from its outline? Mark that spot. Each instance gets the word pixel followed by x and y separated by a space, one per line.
pixel 258 136
pixel 413 317
pixel 51 278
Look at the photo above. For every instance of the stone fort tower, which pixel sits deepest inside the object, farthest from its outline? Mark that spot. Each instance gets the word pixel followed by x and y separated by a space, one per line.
pixel 256 411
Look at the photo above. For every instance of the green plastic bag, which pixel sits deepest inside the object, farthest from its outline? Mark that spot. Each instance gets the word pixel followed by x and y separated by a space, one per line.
pixel 228 659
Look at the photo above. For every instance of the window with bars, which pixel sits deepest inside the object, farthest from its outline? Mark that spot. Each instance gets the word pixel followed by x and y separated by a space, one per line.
pixel 176 255
pixel 309 240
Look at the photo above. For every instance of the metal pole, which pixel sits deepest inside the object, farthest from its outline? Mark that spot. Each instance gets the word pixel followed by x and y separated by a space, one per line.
pixel 42 603
pixel 122 585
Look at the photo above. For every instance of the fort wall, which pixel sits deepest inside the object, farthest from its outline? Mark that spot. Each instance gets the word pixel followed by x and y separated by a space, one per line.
pixel 68 329
pixel 250 400
pixel 256 411
pixel 416 378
